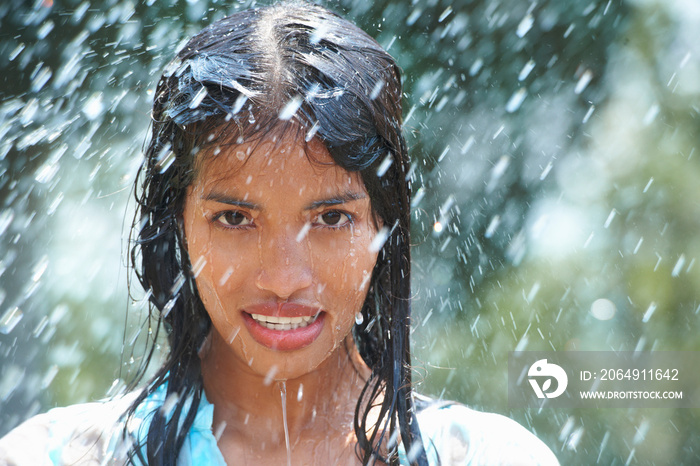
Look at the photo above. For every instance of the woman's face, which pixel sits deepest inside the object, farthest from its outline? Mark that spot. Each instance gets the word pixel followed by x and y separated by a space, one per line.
pixel 280 247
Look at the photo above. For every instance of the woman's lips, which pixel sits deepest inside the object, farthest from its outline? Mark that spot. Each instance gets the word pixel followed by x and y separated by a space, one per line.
pixel 284 327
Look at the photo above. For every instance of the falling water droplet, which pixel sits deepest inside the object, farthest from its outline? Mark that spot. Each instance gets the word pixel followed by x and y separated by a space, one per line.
pixel 384 166
pixel 525 72
pixel 10 319
pixel 290 109
pixel 270 376
pixel 379 239
pixel 283 396
pixel 679 266
pixel 359 318
pixel 376 90
pixel 525 25
pixel 198 97
pixel 445 14
pixel 302 233
pixel 583 81
pixel 649 312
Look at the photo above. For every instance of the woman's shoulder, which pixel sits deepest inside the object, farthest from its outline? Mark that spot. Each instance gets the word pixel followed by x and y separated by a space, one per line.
pixel 84 433
pixel 457 434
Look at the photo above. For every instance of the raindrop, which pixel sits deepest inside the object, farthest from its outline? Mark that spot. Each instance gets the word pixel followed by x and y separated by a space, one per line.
pixel 6 217
pixel 649 312
pixel 384 166
pixel 169 404
pixel 168 307
pixel 476 67
pixel 46 172
pixel 467 145
pixel 312 132
pixel 639 245
pixel 588 114
pixel 685 60
pixel 93 106
pixel 575 439
pixel 497 172
pixel 300 392
pixel 319 33
pixel 302 233
pixel 164 159
pixel 525 72
pixel 522 344
pixel 26 116
pixel 437 227
pixel 443 153
pixel 498 132
pixel 569 30
pixel 445 14
pixel 376 89
pixel 413 17
pixel 270 376
pixel 10 319
pixel 651 114
pixel 219 431
pixel 45 29
pixel 646 188
pixel 417 197
pixel 359 318
pixel 233 334
pixel 583 81
pixel 290 109
pixel 198 266
pixel 13 378
pixel 533 292
pixel 40 268
pixel 427 318
pixel 546 171
pixel 198 97
pixel 283 396
pixel 493 225
pixel 603 309
pixel 516 100
pixel 40 77
pixel 610 218
pixel 379 239
pixel 413 453
pixel 238 104
pixel 679 266
pixel 16 51
pixel 525 25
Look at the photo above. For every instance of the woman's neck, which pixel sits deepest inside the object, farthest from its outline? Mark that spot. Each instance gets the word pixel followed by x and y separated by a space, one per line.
pixel 252 411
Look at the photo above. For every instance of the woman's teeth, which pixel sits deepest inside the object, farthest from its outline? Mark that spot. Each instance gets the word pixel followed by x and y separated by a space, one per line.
pixel 283 323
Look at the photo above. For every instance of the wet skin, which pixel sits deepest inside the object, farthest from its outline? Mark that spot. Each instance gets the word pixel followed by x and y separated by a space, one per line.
pixel 273 234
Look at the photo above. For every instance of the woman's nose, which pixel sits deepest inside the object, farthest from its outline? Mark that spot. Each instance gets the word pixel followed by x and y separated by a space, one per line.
pixel 285 263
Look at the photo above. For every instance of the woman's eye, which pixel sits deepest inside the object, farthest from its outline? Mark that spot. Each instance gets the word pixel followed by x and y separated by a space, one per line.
pixel 333 218
pixel 233 219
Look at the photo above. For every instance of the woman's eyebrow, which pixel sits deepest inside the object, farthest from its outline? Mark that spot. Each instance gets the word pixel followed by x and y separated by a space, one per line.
pixel 224 199
pixel 335 200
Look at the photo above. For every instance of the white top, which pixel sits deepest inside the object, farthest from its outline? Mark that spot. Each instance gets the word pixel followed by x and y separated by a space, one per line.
pixel 90 434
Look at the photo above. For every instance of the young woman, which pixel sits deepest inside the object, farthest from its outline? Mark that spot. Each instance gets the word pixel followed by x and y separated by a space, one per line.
pixel 272 238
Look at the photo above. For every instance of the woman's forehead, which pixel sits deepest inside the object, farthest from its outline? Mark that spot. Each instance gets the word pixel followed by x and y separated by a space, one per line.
pixel 284 162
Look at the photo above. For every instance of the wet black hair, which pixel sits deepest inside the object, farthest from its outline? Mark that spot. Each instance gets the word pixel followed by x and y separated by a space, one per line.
pixel 290 64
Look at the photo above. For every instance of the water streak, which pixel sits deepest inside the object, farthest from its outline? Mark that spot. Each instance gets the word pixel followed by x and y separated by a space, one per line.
pixel 283 395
